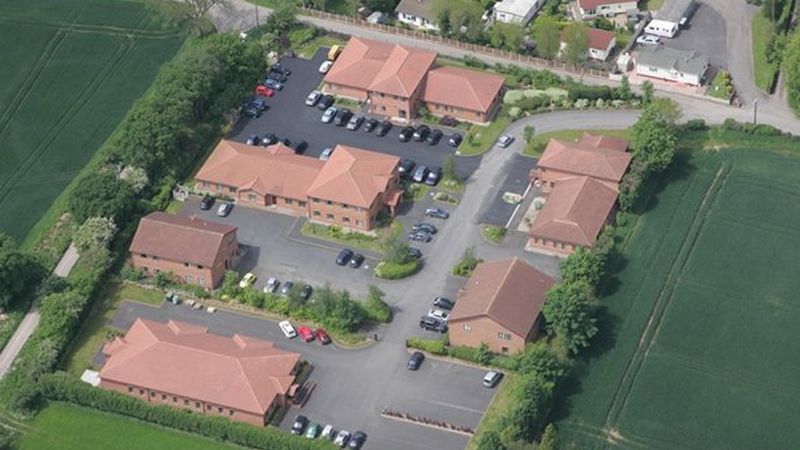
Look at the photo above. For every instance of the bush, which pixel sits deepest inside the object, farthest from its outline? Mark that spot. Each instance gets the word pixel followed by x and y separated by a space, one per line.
pixel 592 93
pixel 95 232
pixel 433 346
pixel 696 125
pixel 375 307
pixel 388 270
pixel 469 261
pixel 102 194
pixel 131 273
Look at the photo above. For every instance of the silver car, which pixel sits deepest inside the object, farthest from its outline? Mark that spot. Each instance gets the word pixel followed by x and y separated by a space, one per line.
pixel 355 122
pixel 505 140
pixel 329 114
pixel 224 209
pixel 313 98
pixel 326 154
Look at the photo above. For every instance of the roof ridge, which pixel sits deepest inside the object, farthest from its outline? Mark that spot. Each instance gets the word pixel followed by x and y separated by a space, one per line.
pixel 202 230
pixel 249 382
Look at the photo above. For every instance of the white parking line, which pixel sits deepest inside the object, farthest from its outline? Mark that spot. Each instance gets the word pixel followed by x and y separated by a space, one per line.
pixel 463 408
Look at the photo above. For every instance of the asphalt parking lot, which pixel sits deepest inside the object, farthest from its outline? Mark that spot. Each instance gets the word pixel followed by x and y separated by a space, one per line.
pixel 516 179
pixel 704 34
pixel 288 116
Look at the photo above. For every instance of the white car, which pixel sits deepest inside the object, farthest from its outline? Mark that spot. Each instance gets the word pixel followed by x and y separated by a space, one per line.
pixel 325 67
pixel 342 438
pixel 313 98
pixel 211 309
pixel 288 329
pixel 327 432
pixel 438 314
pixel 329 114
pixel 648 40
pixel 326 154
pixel 272 285
pixel 505 140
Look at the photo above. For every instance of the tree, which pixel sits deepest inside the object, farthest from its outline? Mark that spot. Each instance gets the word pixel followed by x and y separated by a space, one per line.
pixel 539 359
pixel 528 133
pixel 101 194
pixel 551 7
pixel 375 306
pixel 386 6
pixel 508 36
pixel 549 439
pixel 664 110
pixel 449 172
pixel 576 37
pixel 791 70
pixel 483 355
pixel 490 440
pixel 94 233
pixel 453 15
pixel 654 139
pixel 583 264
pixel 647 92
pixel 546 33
pixel 18 272
pixel 533 397
pixel 282 19
pixel 568 313
pixel 135 176
pixel 624 90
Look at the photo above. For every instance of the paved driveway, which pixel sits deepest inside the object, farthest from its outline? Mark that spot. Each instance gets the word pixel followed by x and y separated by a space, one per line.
pixel 705 34
pixel 515 179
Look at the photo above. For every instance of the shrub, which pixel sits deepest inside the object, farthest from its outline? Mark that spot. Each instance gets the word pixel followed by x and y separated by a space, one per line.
pixel 95 232
pixel 434 346
pixel 375 307
pixel 469 261
pixel 493 233
pixel 131 273
pixel 101 194
pixel 388 270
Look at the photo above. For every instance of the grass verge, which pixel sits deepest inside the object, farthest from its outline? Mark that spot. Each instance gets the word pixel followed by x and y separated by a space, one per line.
pixel 493 234
pixel 536 146
pixel 480 138
pixel 763 72
pixel 355 239
pixel 720 86
pixel 501 403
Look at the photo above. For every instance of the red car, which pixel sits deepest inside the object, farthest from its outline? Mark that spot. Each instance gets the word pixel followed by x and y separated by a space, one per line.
pixel 305 334
pixel 264 91
pixel 322 336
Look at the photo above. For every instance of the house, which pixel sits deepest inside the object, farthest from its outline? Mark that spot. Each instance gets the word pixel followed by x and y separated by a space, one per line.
pixel 416 14
pixel 590 9
pixel 499 306
pixel 602 157
pixel 516 11
pixel 601 43
pixel 670 18
pixel 183 366
pixel 194 250
pixel 657 61
pixel 573 216
pixel 393 80
pixel 350 189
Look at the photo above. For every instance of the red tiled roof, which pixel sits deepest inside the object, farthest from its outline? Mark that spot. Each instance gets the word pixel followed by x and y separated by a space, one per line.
pixel 182 359
pixel 600 39
pixel 603 141
pixel 180 238
pixel 593 4
pixel 585 158
pixel 575 211
pixel 353 176
pixel 462 88
pixel 510 292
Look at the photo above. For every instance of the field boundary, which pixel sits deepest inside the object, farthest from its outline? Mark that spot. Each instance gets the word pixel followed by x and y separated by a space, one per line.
pixel 87 28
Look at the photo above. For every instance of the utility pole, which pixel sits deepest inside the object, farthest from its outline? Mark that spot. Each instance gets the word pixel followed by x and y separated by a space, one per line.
pixel 255 5
pixel 755 111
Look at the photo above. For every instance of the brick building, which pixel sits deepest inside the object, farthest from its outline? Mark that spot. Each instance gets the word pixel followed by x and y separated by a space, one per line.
pixel 194 250
pixel 183 366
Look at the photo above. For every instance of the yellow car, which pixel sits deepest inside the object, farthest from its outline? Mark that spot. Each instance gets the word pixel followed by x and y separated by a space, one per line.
pixel 247 280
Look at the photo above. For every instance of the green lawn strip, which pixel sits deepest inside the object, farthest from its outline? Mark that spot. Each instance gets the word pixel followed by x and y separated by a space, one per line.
pixel 539 141
pixel 501 404
pixel 719 86
pixel 309 48
pixel 481 138
pixel 62 426
pixel 357 240
pixel 763 71
pixel 652 5
pixel 493 233
pixel 15 315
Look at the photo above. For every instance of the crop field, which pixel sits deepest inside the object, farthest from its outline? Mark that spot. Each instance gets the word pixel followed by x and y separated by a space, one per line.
pixel 71 69
pixel 699 338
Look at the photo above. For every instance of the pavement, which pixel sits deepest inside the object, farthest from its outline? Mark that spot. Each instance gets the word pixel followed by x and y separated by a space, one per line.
pixel 705 34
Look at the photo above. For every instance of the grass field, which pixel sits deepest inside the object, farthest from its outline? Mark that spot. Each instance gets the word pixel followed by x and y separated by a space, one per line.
pixel 66 427
pixel 763 71
pixel 698 344
pixel 71 71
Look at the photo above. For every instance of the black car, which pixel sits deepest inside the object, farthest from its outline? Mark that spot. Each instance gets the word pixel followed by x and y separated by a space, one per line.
pixel 253 139
pixel 206 203
pixel 435 137
pixel 414 252
pixel 251 112
pixel 383 128
pixel 344 257
pixel 305 293
pixel 421 133
pixel 277 76
pixel 299 147
pixel 356 260
pixel 405 134
pixel 342 117
pixel 285 141
pixel 434 174
pixel 370 124
pixel 432 324
pixel 444 303
pixel 406 167
pixel 325 102
pixel 357 440
pixel 299 424
pixel 413 364
pixel 269 139
pixel 455 140
pixel 427 227
pixel 437 213
pixel 281 69
pixel 448 121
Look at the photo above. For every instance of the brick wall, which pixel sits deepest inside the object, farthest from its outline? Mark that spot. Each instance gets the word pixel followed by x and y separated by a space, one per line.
pixel 472 332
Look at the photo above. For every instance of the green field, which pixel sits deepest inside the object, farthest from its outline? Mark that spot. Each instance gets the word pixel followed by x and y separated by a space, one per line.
pixel 66 427
pixel 71 69
pixel 699 338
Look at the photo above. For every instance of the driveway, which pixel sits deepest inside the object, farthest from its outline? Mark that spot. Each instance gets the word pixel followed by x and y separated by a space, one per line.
pixel 515 179
pixel 706 34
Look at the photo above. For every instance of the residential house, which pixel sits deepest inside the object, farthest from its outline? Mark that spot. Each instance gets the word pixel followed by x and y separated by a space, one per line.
pixel 499 306
pixel 416 14
pixel 590 9
pixel 195 251
pixel 601 43
pixel 183 366
pixel 350 189
pixel 657 61
pixel 516 11
pixel 670 17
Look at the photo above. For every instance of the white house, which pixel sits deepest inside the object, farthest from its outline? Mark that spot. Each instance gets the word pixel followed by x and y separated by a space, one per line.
pixel 590 9
pixel 601 43
pixel 516 11
pixel 669 64
pixel 416 14
pixel 668 20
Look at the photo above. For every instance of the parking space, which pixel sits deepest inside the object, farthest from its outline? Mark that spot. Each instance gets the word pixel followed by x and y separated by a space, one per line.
pixel 289 117
pixel 705 33
pixel 515 179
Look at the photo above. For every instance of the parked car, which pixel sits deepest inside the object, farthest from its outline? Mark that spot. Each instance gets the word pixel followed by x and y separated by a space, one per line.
pixel 434 174
pixel 329 114
pixel 273 84
pixel 491 378
pixel 288 329
pixel 415 361
pixel 356 260
pixel 277 76
pixel 280 68
pixel 434 137
pixel 322 336
pixel 370 124
pixel 357 441
pixel 285 141
pixel 299 147
pixel 414 252
pixel 272 285
pixel 648 39
pixel 327 432
pixel 448 121
pixel 344 257
pixel 325 102
pixel 438 213
pixel 305 333
pixel 264 91
pixel 383 128
pixel 287 287
pixel 313 98
pixel 253 139
pixel 313 431
pixel 406 134
pixel 334 52
pixel 406 167
pixel 355 122
pixel 455 140
pixel 207 202
pixel 305 292
pixel 432 324
pixel 251 112
pixel 505 140
pixel 342 117
pixel 444 303
pixel 426 227
pixel 438 314
pixel 420 174
pixel 269 139
pixel 299 424
pixel 421 132
pixel 258 102
pixel 420 236
pixel 341 438
pixel 326 154
pixel 247 280
pixel 325 66
pixel 224 209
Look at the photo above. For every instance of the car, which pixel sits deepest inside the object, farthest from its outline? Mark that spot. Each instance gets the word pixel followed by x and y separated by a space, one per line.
pixel 272 285
pixel 258 102
pixel 383 128
pixel 406 167
pixel 327 432
pixel 329 114
pixel 313 98
pixel 207 202
pixel 505 140
pixel 341 438
pixel 247 280
pixel 420 174
pixel 432 324
pixel 420 236
pixel 334 52
pixel 455 140
pixel 344 257
pixel 326 154
pixel 253 139
pixel 313 431
pixel 438 314
pixel 437 213
pixel 281 69
pixel 434 137
pixel 277 76
pixel 305 292
pixel 355 122
pixel 444 303
pixel 285 141
pixel 421 132
pixel 426 227
pixel 273 84
pixel 325 66
pixel 305 333
pixel 325 102
pixel 299 424
pixel 299 147
pixel 211 309
pixel 269 139
pixel 342 117
pixel 648 39
pixel 264 91
pixel 288 329
pixel 357 441
pixel 322 336
pixel 434 174
pixel 491 378
pixel 406 134
pixel 415 361
pixel 370 124
pixel 251 112
pixel 449 121
pixel 414 252
pixel 287 287
pixel 224 209
pixel 356 260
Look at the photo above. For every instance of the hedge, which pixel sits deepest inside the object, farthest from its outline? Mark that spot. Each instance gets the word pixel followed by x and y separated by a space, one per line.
pixel 394 271
pixel 60 386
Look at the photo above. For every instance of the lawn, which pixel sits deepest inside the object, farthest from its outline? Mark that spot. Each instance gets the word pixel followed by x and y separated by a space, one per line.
pixel 763 71
pixel 652 5
pixel 720 85
pixel 64 92
pixel 480 138
pixel 62 426
pixel 374 243
pixel 539 141
pixel 698 337
pixel 500 405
